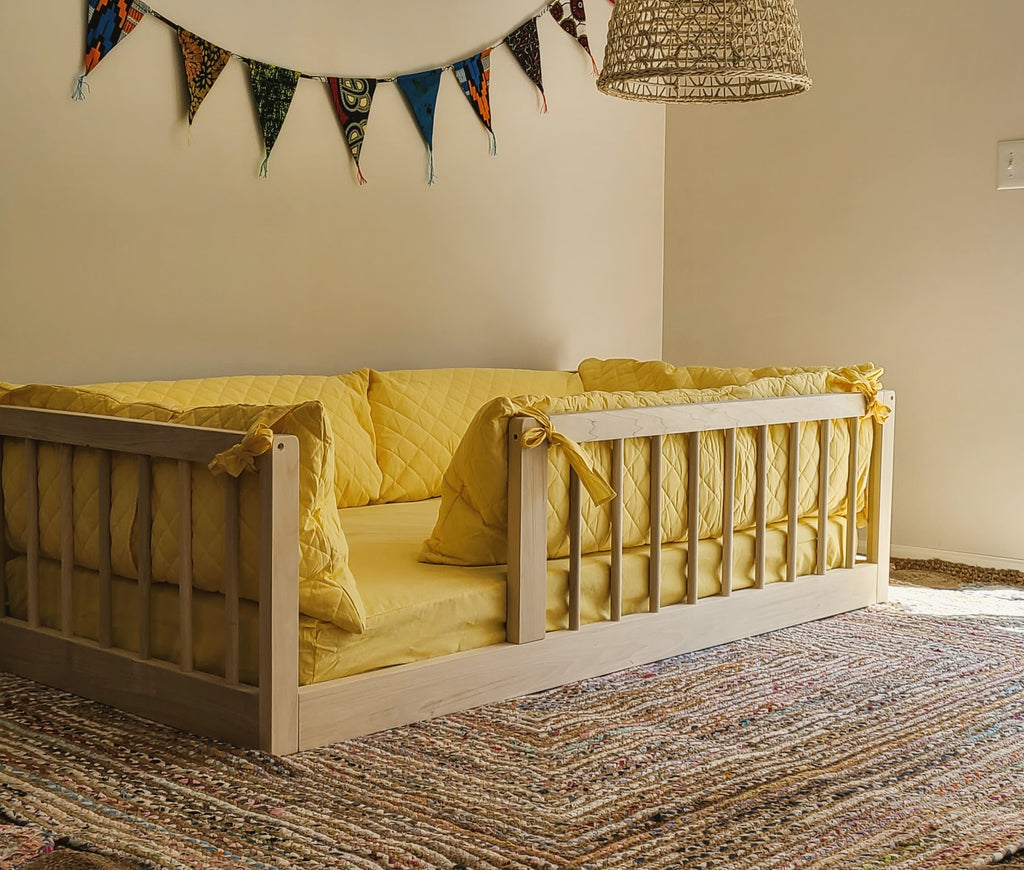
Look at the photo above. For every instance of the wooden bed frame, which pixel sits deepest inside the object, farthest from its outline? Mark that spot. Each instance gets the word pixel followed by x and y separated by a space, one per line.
pixel 282 717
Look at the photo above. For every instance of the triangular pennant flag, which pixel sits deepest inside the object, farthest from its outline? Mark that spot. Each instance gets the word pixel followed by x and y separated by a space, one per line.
pixel 474 76
pixel 352 99
pixel 420 91
pixel 109 22
pixel 525 46
pixel 204 62
pixel 572 18
pixel 273 88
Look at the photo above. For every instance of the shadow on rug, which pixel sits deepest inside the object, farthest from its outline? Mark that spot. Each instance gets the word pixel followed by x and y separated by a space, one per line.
pixel 939 574
pixel 877 738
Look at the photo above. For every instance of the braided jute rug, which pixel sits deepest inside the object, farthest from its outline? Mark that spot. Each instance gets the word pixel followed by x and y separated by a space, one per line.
pixel 881 738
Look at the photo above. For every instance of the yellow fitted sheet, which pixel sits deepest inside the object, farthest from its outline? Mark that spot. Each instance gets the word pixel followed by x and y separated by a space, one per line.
pixel 417 611
pixel 414 610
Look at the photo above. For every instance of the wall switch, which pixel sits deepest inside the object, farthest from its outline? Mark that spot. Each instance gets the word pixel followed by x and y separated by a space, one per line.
pixel 1011 165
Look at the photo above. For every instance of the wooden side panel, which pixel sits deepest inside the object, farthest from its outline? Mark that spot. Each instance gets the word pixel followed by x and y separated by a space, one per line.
pixel 824 439
pixel 793 501
pixel 760 506
pixel 370 702
pixel 693 518
pixel 728 509
pixel 3 539
pixel 575 549
pixel 144 530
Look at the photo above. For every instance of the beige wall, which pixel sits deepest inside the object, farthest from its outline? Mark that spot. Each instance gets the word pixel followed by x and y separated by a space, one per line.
pixel 861 221
pixel 128 252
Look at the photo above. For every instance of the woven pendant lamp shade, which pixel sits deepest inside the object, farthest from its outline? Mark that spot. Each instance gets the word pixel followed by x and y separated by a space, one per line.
pixel 695 51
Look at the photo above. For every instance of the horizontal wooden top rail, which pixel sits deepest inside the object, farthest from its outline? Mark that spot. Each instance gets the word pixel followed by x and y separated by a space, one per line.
pixel 710 416
pixel 119 434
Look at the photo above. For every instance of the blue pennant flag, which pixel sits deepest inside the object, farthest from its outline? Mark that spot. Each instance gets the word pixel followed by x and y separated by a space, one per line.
pixel 420 90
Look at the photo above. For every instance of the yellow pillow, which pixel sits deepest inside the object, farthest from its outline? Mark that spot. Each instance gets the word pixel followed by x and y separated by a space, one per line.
pixel 327 589
pixel 633 375
pixel 420 415
pixel 472 519
pixel 357 475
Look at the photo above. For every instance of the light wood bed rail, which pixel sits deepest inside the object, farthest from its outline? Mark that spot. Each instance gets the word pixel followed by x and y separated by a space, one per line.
pixel 281 717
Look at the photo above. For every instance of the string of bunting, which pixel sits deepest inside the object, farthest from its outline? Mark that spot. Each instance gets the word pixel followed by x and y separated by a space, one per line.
pixel 273 87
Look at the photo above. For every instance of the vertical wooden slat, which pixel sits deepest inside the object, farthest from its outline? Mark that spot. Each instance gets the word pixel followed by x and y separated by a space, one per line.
pixel 851 493
pixel 231 542
pixel 575 550
pixel 279 596
pixel 67 542
pixel 144 526
pixel 824 439
pixel 657 507
pixel 693 518
pixel 103 466
pixel 616 566
pixel 32 529
pixel 880 495
pixel 185 565
pixel 761 506
pixel 3 538
pixel 728 509
pixel 527 536
pixel 793 501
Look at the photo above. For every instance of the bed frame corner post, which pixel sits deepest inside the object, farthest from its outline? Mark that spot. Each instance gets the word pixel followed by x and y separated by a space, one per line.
pixel 279 597
pixel 527 535
pixel 880 496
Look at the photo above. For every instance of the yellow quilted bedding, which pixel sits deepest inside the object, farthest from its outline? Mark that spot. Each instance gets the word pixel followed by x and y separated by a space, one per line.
pixel 327 589
pixel 471 525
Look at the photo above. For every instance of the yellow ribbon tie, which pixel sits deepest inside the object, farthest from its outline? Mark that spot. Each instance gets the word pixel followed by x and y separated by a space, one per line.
pixel 242 457
pixel 868 383
pixel 599 488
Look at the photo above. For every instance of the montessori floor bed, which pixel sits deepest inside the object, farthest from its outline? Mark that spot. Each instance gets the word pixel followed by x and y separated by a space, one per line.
pixel 242 664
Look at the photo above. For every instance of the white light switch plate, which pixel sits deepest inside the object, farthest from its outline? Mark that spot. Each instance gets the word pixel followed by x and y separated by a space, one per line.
pixel 1011 165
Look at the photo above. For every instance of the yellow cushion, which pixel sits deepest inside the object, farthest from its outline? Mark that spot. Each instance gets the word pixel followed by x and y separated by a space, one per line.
pixel 357 476
pixel 472 520
pixel 327 589
pixel 419 416
pixel 634 375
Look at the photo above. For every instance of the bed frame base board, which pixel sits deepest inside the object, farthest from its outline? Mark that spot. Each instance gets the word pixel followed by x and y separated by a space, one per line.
pixel 344 708
pixel 151 689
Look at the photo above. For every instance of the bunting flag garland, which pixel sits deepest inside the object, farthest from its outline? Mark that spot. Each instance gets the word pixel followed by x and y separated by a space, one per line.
pixel 474 76
pixel 273 88
pixel 204 62
pixel 572 18
pixel 109 22
pixel 420 91
pixel 524 43
pixel 352 99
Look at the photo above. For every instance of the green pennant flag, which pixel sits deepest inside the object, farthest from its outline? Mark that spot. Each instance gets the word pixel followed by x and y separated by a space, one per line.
pixel 273 88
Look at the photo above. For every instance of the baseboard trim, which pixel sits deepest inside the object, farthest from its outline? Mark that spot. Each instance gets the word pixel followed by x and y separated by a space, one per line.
pixel 977 559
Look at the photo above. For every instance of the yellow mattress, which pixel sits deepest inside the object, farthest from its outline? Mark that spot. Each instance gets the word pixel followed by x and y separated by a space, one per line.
pixel 414 610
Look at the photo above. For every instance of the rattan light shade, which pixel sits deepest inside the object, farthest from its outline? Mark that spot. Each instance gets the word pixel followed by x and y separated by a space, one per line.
pixel 693 51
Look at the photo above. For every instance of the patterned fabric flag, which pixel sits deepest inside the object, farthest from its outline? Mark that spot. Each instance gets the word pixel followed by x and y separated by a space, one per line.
pixel 420 91
pixel 474 76
pixel 352 99
pixel 273 88
pixel 204 62
pixel 572 18
pixel 109 22
pixel 525 46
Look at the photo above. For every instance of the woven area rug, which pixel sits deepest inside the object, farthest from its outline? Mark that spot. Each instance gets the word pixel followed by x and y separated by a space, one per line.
pixel 878 738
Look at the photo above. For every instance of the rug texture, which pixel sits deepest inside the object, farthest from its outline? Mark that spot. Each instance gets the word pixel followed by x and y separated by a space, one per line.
pixel 880 738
